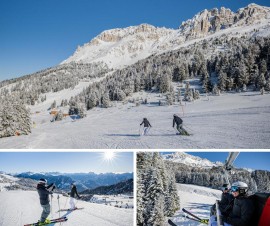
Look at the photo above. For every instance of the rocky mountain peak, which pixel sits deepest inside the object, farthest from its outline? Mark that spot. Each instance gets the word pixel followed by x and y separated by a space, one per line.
pixel 211 21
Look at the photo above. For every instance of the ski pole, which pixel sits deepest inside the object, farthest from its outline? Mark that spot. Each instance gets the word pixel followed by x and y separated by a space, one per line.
pixel 188 127
pixel 58 204
pixel 51 205
pixel 140 130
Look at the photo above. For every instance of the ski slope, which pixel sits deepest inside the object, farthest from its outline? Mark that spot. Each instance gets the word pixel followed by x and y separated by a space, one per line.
pixel 21 207
pixel 232 120
pixel 196 199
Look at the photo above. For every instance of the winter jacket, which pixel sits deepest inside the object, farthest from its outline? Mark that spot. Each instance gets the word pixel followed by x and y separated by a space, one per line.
pixel 73 192
pixel 44 193
pixel 226 203
pixel 177 120
pixel 146 123
pixel 242 212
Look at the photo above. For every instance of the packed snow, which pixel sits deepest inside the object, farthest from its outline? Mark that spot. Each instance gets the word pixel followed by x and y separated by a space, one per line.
pixel 196 199
pixel 22 207
pixel 232 120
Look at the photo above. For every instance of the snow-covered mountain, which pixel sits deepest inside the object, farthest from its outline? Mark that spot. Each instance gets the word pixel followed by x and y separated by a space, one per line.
pixel 124 46
pixel 190 160
pixel 8 182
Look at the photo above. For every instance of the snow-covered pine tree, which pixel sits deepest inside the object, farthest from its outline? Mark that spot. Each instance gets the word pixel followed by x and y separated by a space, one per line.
pixel 154 209
pixel 81 110
pixel 195 94
pixel 53 105
pixel 59 116
pixel 106 100
pixel 140 199
pixel 216 90
pixel 14 118
pixel 188 96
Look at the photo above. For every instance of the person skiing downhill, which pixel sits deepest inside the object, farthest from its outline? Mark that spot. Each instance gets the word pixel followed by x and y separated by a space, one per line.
pixel 146 126
pixel 179 125
pixel 72 196
pixel 44 193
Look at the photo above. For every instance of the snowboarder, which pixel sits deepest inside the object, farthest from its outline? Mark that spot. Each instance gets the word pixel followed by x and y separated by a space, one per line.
pixel 226 202
pixel 243 208
pixel 72 196
pixel 179 125
pixel 44 193
pixel 146 126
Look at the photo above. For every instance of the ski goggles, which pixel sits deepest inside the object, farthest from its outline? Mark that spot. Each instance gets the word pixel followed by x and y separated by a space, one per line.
pixel 234 188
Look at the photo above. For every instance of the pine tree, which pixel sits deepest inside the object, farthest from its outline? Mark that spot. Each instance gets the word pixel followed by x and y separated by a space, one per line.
pixel 106 100
pixel 53 105
pixel 216 90
pixel 14 118
pixel 59 116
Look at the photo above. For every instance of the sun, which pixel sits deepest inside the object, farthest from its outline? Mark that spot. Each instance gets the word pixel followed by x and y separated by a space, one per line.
pixel 109 156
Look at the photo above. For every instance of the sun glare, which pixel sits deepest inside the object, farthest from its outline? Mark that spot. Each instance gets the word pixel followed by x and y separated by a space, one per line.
pixel 109 155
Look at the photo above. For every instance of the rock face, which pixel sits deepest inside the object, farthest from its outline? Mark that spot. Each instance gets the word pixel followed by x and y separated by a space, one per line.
pixel 124 46
pixel 208 22
pixel 121 46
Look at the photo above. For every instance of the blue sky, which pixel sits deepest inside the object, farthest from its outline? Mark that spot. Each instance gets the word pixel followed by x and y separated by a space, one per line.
pixel 253 160
pixel 36 34
pixel 65 162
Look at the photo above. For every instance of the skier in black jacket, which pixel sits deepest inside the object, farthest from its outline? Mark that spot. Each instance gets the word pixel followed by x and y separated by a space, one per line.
pixel 226 202
pixel 72 196
pixel 243 208
pixel 146 126
pixel 179 125
pixel 44 193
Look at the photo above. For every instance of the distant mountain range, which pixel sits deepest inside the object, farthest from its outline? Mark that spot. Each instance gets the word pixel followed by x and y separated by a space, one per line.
pixel 83 181
pixel 123 187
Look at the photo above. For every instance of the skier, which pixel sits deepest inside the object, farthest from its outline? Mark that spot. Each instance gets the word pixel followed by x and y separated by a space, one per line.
pixel 226 202
pixel 179 125
pixel 146 126
pixel 72 196
pixel 243 208
pixel 44 199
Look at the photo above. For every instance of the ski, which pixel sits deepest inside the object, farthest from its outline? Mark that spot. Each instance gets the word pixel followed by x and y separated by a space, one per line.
pixel 171 223
pixel 191 214
pixel 69 209
pixel 203 221
pixel 52 221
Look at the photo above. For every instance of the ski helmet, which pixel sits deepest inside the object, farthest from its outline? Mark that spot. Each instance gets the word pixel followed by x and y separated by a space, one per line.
pixel 42 181
pixel 239 186
pixel 225 187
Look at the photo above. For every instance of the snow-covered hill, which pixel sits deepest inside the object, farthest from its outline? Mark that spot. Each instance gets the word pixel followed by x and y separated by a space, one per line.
pixel 21 207
pixel 196 199
pixel 232 120
pixel 190 160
